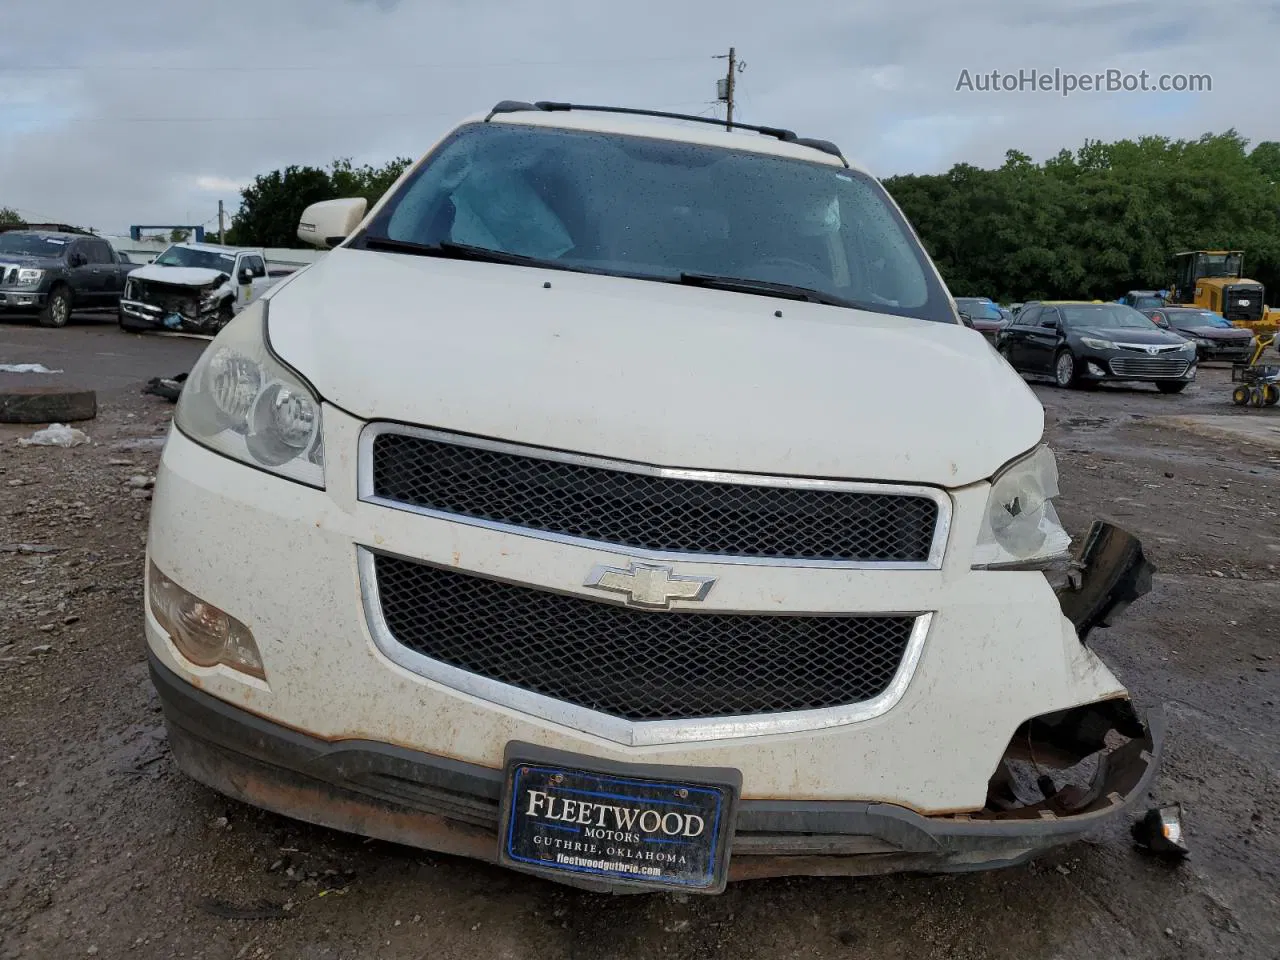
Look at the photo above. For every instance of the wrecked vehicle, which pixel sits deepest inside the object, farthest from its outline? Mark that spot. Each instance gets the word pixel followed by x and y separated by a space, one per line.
pixel 567 517
pixel 194 288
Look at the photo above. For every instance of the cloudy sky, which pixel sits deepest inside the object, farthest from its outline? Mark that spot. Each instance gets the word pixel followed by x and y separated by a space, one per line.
pixel 115 112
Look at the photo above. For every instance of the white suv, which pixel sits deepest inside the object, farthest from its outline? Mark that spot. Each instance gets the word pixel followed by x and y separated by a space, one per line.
pixel 622 500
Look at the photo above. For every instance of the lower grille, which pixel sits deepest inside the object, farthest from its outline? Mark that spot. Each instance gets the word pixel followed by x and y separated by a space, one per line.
pixel 1148 367
pixel 633 664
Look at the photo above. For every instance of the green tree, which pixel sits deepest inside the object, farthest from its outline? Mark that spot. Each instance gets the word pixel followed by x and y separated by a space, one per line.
pixel 271 206
pixel 10 217
pixel 1100 220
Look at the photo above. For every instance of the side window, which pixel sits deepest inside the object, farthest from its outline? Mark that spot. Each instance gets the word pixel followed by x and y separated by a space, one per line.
pixel 1029 316
pixel 97 251
pixel 1049 318
pixel 256 266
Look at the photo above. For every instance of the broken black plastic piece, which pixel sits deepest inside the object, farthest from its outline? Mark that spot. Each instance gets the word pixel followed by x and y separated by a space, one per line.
pixel 1114 573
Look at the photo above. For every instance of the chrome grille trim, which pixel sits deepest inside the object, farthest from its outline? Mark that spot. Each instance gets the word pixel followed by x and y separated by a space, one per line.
pixel 1148 367
pixel 366 494
pixel 615 729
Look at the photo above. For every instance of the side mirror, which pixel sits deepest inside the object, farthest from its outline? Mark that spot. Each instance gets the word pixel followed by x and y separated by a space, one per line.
pixel 328 223
pixel 246 276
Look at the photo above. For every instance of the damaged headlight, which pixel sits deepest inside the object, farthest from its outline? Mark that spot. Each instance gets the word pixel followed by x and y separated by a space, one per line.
pixel 242 402
pixel 1020 528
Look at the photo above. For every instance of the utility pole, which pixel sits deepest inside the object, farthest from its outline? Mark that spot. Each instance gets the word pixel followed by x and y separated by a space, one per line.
pixel 724 87
pixel 222 237
pixel 728 113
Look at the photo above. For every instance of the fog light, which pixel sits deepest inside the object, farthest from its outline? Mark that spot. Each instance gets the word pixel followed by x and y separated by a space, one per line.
pixel 1160 832
pixel 1096 371
pixel 202 633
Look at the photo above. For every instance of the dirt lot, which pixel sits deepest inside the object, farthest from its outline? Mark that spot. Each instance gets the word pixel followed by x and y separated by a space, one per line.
pixel 106 850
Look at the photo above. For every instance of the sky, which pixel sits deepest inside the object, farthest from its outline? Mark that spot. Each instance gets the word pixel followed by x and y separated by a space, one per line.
pixel 151 111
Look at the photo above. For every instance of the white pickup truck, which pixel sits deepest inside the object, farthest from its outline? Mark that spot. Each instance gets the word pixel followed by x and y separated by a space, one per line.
pixel 579 512
pixel 195 288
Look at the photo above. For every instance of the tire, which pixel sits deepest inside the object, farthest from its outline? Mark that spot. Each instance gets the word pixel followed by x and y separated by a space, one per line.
pixel 57 309
pixel 1064 370
pixel 1240 396
pixel 1270 394
pixel 1171 387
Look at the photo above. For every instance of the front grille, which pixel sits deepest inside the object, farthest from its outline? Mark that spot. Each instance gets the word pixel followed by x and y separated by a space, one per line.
pixel 1233 310
pixel 651 511
pixel 1148 367
pixel 634 664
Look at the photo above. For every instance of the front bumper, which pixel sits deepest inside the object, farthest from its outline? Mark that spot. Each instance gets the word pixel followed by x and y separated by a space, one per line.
pixel 314 738
pixel 138 315
pixel 22 301
pixel 437 803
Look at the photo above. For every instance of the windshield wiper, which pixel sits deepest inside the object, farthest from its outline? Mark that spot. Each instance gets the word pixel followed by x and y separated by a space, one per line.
pixel 461 251
pixel 766 288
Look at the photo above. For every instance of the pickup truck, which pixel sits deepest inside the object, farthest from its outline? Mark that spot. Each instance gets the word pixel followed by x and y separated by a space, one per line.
pixel 568 515
pixel 195 288
pixel 48 274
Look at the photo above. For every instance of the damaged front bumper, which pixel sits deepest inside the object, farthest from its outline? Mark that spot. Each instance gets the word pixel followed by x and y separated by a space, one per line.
pixel 438 803
pixel 179 309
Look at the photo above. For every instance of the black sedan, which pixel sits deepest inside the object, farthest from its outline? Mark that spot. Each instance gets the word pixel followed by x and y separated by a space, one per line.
pixel 1214 337
pixel 1080 344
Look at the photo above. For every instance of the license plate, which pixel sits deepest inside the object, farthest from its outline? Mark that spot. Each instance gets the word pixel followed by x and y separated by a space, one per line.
pixel 619 823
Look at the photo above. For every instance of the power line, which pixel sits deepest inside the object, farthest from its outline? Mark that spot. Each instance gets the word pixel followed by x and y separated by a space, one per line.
pixel 331 69
pixel 309 118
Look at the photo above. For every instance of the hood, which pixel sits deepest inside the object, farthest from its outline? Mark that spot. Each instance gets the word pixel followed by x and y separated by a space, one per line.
pixel 1130 334
pixel 652 372
pixel 19 260
pixel 1217 333
pixel 179 276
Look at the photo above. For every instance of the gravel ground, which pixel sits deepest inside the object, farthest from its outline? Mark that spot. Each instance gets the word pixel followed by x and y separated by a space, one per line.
pixel 106 850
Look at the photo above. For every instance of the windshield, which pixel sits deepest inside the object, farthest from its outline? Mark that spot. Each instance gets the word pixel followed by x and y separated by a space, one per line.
pixel 1106 316
pixel 1198 318
pixel 979 309
pixel 1218 265
pixel 1146 303
pixel 32 244
pixel 206 259
pixel 659 209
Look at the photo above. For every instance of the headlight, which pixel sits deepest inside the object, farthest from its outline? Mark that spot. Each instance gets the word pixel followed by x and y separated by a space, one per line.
pixel 28 275
pixel 242 402
pixel 208 301
pixel 1204 343
pixel 1020 529
pixel 1096 344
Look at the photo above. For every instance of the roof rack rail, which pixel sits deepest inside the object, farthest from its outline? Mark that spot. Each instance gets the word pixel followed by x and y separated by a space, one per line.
pixel 551 106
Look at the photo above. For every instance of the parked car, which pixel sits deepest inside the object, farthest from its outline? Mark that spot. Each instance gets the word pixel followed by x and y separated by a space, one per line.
pixel 1081 344
pixel 586 530
pixel 1215 337
pixel 986 316
pixel 48 274
pixel 1143 300
pixel 194 287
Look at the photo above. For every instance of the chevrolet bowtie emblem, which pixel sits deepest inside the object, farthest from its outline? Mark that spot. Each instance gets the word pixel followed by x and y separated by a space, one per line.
pixel 649 585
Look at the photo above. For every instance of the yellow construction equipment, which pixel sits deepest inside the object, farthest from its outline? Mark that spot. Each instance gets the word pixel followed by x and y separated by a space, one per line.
pixel 1214 280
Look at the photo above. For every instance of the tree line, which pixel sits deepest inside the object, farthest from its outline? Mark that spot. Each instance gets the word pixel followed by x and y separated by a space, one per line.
pixel 1102 220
